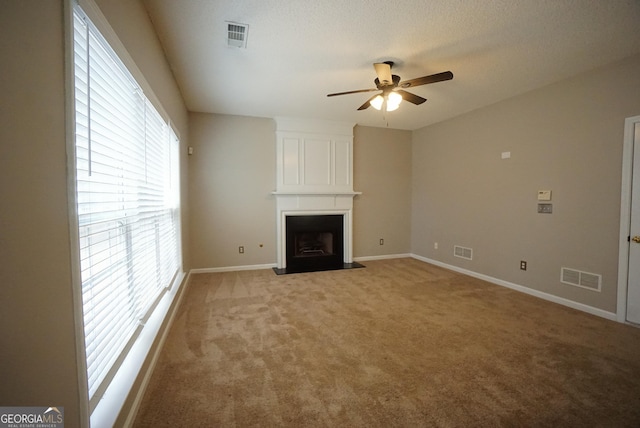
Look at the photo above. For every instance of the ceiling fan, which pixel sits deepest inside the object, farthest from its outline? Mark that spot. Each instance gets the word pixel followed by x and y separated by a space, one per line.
pixel 393 89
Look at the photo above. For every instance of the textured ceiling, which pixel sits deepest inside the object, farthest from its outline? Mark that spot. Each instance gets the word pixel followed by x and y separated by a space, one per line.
pixel 298 51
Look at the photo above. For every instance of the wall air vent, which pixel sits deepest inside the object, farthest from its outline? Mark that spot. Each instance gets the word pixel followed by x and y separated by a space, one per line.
pixel 590 281
pixel 462 252
pixel 237 34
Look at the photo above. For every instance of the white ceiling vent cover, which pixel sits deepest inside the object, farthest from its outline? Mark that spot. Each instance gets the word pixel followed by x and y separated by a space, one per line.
pixel 581 279
pixel 463 252
pixel 237 34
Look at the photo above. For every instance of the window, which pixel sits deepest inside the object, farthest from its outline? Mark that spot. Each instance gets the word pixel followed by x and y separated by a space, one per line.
pixel 127 183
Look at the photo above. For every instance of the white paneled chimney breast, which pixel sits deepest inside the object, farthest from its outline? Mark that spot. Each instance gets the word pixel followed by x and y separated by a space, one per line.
pixel 314 176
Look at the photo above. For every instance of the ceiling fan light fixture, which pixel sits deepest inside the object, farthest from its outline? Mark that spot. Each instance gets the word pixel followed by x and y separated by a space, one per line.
pixel 393 101
pixel 392 107
pixel 390 102
pixel 376 103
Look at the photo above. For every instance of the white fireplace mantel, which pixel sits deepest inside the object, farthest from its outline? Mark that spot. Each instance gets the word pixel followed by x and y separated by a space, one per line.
pixel 315 175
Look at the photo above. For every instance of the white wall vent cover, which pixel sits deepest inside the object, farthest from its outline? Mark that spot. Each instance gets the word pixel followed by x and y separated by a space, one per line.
pixel 578 278
pixel 237 34
pixel 462 252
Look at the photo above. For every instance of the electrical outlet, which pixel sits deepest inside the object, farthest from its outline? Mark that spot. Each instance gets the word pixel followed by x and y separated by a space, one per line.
pixel 435 245
pixel 381 241
pixel 523 265
pixel 241 249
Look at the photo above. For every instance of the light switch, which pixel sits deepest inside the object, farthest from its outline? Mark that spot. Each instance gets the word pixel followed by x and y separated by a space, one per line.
pixel 545 208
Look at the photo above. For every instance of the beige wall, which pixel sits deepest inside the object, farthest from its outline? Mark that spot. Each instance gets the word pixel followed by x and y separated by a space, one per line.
pixel 382 172
pixel 37 337
pixel 38 365
pixel 567 138
pixel 231 176
pixel 233 172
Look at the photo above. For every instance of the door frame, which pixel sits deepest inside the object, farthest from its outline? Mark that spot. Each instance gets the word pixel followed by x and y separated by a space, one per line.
pixel 625 216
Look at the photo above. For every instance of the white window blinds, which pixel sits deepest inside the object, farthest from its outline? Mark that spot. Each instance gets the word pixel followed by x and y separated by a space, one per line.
pixel 127 199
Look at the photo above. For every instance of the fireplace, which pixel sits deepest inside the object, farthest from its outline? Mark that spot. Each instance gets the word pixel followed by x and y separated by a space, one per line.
pixel 314 242
pixel 314 195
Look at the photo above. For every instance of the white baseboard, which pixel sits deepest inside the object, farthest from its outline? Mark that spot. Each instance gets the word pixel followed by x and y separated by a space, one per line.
pixel 233 268
pixel 383 257
pixel 530 291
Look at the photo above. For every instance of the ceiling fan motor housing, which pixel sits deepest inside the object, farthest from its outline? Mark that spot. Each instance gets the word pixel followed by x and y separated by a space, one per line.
pixel 388 86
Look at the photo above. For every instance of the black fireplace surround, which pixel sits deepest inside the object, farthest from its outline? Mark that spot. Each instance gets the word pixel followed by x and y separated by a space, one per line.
pixel 314 242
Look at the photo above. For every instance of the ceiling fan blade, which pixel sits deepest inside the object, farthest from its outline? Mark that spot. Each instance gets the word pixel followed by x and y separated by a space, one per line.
pixel 412 98
pixel 438 77
pixel 367 103
pixel 352 92
pixel 383 70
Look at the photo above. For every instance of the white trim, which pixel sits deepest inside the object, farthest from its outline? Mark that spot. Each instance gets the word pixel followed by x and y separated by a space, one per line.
pixel 76 280
pixel 232 268
pixel 542 295
pixel 625 216
pixel 382 257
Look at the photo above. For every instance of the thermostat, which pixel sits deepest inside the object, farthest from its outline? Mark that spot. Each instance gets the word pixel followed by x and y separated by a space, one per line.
pixel 544 195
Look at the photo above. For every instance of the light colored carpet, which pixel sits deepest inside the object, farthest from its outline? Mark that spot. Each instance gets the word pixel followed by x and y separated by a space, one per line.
pixel 398 343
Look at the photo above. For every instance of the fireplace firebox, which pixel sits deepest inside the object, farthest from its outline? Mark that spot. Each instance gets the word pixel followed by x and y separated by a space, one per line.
pixel 314 242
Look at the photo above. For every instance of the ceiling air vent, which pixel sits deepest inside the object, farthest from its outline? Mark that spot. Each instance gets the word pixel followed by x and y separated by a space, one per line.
pixel 581 279
pixel 462 252
pixel 237 34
